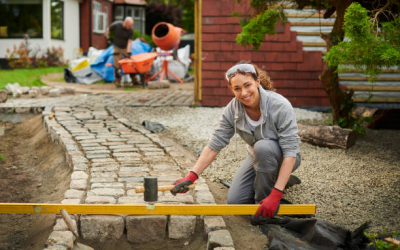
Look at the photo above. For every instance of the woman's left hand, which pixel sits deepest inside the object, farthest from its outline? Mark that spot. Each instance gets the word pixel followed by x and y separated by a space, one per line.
pixel 269 206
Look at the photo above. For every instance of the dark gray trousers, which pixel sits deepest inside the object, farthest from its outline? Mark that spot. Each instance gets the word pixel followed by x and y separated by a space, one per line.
pixel 256 178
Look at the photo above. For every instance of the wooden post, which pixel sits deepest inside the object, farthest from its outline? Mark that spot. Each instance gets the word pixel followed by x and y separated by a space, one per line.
pixel 197 51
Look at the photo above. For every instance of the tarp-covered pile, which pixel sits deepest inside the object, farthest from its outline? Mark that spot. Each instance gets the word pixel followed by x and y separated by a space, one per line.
pixel 99 64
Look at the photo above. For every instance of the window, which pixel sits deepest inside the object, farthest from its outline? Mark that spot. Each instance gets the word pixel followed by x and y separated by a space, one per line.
pixel 19 17
pixel 138 17
pixel 99 18
pixel 57 19
pixel 119 13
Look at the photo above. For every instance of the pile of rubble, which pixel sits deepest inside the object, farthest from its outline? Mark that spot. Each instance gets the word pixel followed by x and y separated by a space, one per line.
pixel 34 92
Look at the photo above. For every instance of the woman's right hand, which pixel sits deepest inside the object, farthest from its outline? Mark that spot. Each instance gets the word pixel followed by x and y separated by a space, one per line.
pixel 182 184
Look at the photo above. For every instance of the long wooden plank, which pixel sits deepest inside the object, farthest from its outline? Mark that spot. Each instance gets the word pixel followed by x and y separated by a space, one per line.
pixel 373 88
pixel 307 15
pixel 354 78
pixel 359 99
pixel 314 44
pixel 311 24
pixel 143 209
pixel 304 33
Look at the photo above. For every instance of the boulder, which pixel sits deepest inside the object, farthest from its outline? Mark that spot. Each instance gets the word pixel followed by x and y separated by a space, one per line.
pixel 45 90
pixel 33 93
pixel 3 96
pixel 55 92
pixel 25 90
pixel 70 90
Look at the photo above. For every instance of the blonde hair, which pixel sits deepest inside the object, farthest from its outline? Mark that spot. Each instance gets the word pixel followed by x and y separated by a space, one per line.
pixel 265 80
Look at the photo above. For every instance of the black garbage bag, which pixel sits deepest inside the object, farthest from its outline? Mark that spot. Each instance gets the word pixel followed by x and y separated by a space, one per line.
pixel 69 77
pixel 154 127
pixel 286 233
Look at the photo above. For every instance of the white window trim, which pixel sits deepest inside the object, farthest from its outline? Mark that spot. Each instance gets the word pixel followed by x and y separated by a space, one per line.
pixel 99 17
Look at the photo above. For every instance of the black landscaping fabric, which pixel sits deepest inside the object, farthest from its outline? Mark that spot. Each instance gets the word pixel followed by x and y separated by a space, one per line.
pixel 286 233
pixel 69 77
pixel 154 127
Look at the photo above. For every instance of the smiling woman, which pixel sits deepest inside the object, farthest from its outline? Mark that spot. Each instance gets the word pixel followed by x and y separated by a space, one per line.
pixel 265 120
pixel 19 17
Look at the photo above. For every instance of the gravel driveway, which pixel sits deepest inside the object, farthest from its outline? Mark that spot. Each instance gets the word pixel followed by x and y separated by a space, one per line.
pixel 348 186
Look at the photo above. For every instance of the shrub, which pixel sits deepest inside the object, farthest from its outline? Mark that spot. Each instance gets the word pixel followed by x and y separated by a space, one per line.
pixel 23 57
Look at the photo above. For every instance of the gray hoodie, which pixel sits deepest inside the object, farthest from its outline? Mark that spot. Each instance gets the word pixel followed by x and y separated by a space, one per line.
pixel 278 123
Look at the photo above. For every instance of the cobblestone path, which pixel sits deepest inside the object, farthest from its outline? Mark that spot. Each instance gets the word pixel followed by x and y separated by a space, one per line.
pixel 110 156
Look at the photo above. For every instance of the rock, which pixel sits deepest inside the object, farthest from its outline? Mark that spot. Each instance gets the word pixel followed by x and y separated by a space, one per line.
pixel 70 90
pixel 45 90
pixel 113 192
pixel 78 184
pixel 54 93
pixel 63 238
pixel 33 93
pixel 204 197
pixel 74 194
pixel 213 223
pixel 181 226
pixel 25 90
pixel 17 93
pixel 35 88
pixel 61 89
pixel 159 84
pixel 71 201
pixel 100 200
pixel 3 96
pixel 146 228
pixel 220 238
pixel 102 227
pixel 79 175
pixel 61 226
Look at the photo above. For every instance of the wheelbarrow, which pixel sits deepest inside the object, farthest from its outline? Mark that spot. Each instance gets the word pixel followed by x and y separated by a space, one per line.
pixel 139 64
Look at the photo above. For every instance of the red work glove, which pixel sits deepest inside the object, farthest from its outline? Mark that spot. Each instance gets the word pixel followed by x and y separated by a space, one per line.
pixel 269 206
pixel 182 184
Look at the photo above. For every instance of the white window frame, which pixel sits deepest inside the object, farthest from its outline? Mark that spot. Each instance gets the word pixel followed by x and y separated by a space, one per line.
pixel 120 15
pixel 99 18
pixel 141 19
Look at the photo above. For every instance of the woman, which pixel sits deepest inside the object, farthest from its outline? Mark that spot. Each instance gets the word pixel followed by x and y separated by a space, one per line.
pixel 266 122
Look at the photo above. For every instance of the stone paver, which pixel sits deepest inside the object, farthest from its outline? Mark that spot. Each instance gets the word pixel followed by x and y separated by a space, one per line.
pixel 146 228
pixel 181 226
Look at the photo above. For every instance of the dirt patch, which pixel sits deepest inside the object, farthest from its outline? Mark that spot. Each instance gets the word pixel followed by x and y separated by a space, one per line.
pixel 32 169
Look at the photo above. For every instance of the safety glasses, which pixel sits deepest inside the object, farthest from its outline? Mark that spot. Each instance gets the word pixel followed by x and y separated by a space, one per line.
pixel 247 68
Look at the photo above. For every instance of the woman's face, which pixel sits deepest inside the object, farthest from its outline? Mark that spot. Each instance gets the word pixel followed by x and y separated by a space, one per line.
pixel 245 89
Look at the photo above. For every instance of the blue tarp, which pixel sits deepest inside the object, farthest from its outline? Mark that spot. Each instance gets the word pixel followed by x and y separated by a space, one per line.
pixel 104 64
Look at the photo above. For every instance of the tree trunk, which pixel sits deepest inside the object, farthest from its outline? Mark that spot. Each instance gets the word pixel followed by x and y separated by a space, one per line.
pixel 327 136
pixel 329 76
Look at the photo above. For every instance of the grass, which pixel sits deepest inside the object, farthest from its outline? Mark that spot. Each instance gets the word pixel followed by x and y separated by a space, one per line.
pixel 26 77
pixel 2 159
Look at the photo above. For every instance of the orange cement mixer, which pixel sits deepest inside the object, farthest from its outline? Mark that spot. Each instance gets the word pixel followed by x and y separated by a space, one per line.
pixel 167 36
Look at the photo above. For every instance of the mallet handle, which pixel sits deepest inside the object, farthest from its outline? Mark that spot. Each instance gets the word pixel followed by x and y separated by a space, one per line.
pixel 161 188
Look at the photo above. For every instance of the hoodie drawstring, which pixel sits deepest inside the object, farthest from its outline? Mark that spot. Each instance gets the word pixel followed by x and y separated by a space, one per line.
pixel 236 118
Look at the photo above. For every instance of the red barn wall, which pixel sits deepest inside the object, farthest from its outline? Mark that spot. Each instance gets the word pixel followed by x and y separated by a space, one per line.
pixel 295 72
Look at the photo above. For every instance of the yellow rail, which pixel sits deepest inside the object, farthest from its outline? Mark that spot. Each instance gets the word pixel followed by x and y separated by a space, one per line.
pixel 143 209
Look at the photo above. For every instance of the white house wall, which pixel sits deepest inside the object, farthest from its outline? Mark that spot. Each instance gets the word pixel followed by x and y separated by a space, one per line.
pixel 70 43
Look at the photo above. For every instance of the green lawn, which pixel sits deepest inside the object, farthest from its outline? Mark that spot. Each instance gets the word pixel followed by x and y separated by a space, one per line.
pixel 26 77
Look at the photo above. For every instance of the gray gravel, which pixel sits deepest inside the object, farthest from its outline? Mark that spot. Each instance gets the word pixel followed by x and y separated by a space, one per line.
pixel 348 186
